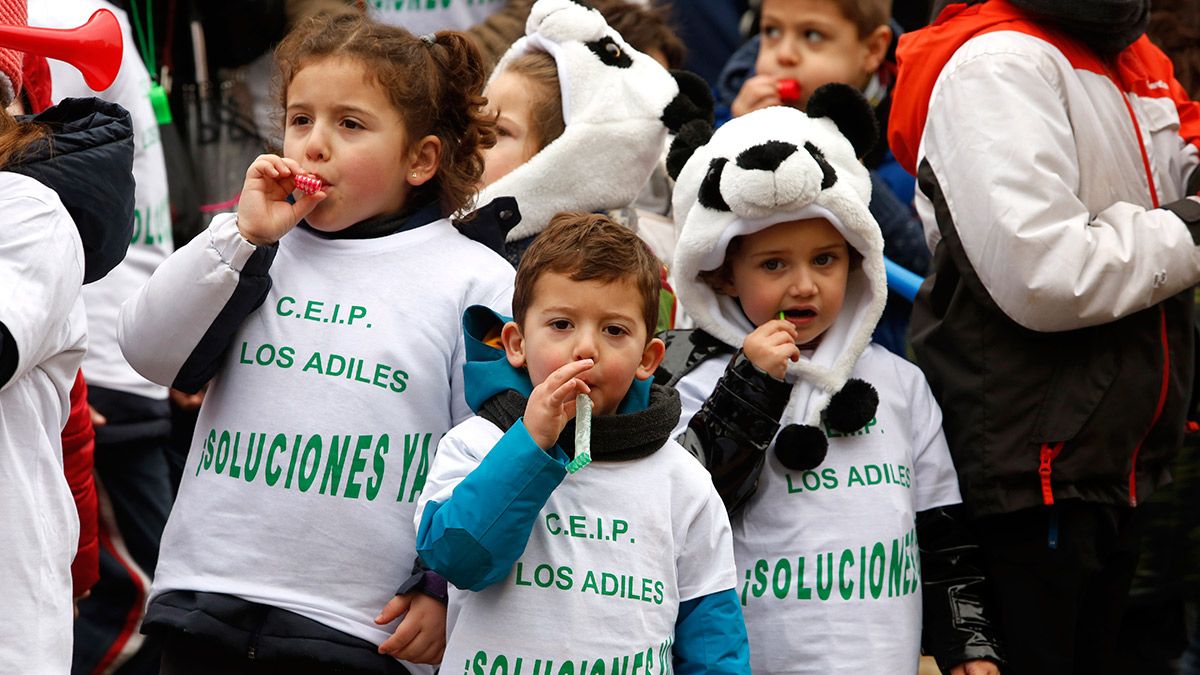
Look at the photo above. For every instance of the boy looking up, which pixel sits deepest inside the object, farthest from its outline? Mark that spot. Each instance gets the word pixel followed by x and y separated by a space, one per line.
pixel 627 562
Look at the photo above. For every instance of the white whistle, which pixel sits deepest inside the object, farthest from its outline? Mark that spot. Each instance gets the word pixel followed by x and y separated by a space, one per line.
pixel 583 433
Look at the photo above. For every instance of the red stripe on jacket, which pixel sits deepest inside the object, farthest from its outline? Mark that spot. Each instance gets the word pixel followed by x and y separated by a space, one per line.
pixel 1141 68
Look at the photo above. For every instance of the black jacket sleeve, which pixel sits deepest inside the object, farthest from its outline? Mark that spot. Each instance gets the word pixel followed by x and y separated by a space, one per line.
pixel 253 284
pixel 956 624
pixel 733 429
pixel 8 355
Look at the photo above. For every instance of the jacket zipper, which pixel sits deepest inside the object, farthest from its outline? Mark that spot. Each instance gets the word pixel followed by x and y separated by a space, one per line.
pixel 1162 401
pixel 1049 454
pixel 1162 315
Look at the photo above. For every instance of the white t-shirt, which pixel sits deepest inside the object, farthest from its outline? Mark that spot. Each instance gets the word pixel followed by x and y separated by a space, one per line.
pixel 316 435
pixel 151 242
pixel 41 270
pixel 429 16
pixel 613 552
pixel 827 559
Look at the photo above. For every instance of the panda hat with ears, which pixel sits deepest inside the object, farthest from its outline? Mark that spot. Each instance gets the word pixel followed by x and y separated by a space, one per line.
pixel 770 166
pixel 618 106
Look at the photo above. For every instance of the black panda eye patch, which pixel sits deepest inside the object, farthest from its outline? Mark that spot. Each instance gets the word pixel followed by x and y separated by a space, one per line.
pixel 610 53
pixel 828 175
pixel 710 188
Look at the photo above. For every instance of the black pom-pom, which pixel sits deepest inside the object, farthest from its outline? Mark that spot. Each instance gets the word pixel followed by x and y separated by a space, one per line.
pixel 710 188
pixel 800 447
pixel 851 408
pixel 693 102
pixel 851 113
pixel 692 135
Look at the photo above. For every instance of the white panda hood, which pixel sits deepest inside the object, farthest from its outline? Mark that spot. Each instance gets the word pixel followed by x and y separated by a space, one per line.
pixel 617 107
pixel 770 166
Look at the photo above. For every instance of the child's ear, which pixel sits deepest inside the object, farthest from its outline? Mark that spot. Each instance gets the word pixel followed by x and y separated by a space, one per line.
pixel 652 355
pixel 425 155
pixel 877 45
pixel 514 344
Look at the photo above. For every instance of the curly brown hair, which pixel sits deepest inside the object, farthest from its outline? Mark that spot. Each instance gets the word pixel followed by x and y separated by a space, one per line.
pixel 16 136
pixel 435 82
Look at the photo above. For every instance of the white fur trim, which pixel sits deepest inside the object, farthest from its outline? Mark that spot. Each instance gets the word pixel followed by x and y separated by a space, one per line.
pixel 743 226
pixel 759 199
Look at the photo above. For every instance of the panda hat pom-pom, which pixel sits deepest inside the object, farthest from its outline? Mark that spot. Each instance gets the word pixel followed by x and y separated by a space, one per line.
pixel 800 447
pixel 851 408
pixel 780 165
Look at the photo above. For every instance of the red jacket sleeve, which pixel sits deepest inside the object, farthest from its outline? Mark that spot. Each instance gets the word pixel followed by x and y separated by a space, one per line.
pixel 78 440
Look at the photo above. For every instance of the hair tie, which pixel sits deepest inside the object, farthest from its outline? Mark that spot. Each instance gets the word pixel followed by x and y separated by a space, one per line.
pixel 429 38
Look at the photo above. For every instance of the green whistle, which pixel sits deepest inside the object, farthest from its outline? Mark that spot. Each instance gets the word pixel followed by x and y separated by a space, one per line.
pixel 162 107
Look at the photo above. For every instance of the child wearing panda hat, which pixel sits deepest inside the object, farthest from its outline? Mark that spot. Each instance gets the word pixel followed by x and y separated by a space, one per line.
pixel 827 449
pixel 582 121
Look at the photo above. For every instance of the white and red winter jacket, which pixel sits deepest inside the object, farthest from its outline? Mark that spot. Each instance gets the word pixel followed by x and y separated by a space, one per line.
pixel 1053 184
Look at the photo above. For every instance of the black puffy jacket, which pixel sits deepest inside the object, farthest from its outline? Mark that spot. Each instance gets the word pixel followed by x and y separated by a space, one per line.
pixel 88 160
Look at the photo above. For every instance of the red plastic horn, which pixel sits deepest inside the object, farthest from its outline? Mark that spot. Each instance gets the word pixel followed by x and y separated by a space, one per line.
pixel 94 48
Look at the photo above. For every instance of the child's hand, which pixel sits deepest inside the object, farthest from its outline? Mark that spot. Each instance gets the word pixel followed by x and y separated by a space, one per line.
pixel 421 636
pixel 264 215
pixel 98 420
pixel 552 403
pixel 760 91
pixel 771 346
pixel 976 667
pixel 75 602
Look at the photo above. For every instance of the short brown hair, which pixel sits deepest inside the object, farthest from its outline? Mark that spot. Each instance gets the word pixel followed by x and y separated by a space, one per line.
pixel 436 85
pixel 587 246
pixel 866 15
pixel 545 95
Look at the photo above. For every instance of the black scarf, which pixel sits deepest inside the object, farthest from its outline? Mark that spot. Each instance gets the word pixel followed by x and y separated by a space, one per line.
pixel 615 438
pixel 1108 26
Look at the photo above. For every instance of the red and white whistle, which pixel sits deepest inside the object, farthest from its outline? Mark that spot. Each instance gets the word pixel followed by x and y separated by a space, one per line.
pixel 309 185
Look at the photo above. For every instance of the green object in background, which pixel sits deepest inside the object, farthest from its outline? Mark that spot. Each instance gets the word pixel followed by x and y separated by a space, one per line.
pixel 146 44
pixel 162 107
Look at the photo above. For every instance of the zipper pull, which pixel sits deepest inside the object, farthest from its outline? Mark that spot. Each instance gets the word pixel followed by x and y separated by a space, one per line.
pixel 1048 454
